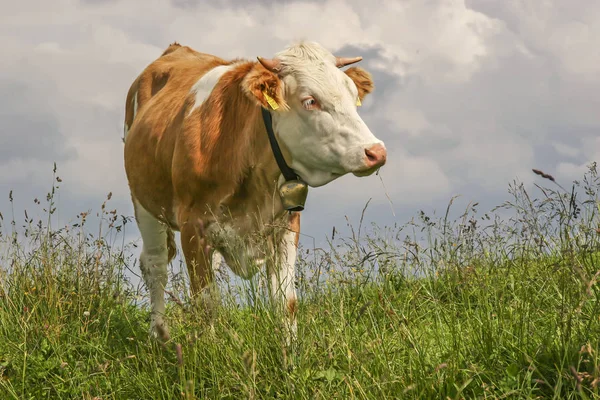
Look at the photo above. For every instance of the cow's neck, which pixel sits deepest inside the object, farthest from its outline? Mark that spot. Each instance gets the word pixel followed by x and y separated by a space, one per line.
pixel 250 166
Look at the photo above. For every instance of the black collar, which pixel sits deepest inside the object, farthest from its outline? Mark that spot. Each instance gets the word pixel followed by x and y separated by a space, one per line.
pixel 287 172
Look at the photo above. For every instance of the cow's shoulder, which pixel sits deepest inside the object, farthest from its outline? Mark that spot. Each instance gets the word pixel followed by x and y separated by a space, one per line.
pixel 170 77
pixel 182 67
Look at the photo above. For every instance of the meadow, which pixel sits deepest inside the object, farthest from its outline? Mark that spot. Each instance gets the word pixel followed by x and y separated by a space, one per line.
pixel 496 304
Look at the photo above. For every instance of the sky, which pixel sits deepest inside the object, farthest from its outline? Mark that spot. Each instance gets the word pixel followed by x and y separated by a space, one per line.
pixel 469 95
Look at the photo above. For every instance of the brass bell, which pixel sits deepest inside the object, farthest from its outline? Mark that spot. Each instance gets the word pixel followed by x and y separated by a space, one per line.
pixel 293 195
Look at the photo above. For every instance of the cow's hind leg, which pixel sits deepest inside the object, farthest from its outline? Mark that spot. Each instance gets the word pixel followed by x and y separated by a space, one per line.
pixel 157 251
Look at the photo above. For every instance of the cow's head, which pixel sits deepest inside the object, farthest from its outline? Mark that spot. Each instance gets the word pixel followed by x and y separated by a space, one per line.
pixel 314 106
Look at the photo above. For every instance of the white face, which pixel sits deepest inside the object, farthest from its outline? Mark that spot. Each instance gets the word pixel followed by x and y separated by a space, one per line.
pixel 322 129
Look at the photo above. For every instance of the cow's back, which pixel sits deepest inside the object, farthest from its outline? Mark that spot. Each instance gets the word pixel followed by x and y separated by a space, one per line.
pixel 153 118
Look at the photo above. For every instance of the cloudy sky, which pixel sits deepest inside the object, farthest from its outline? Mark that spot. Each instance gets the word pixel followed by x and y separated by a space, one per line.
pixel 469 94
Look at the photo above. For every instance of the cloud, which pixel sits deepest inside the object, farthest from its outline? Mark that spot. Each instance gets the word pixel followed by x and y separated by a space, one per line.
pixel 469 94
pixel 563 33
pixel 574 169
pixel 566 150
pixel 25 117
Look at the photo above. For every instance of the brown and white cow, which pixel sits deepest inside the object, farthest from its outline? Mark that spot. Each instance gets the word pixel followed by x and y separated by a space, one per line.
pixel 198 159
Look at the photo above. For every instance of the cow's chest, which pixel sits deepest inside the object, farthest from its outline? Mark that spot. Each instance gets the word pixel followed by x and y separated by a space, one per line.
pixel 244 244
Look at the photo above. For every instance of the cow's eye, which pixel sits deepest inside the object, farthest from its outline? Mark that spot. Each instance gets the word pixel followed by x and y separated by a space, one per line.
pixel 309 103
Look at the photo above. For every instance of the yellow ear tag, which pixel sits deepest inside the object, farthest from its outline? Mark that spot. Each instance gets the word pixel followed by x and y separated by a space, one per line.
pixel 270 100
pixel 358 103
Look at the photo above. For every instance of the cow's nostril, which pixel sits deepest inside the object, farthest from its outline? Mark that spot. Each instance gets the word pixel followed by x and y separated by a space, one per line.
pixel 376 155
pixel 371 156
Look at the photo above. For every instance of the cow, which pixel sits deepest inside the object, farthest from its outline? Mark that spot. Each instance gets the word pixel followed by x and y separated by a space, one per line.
pixel 209 145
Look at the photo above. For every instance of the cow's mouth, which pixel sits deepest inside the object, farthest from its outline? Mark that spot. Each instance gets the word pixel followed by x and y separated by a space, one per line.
pixel 365 172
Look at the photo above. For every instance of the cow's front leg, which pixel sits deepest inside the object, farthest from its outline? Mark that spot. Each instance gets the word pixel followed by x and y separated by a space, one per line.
pixel 282 276
pixel 198 253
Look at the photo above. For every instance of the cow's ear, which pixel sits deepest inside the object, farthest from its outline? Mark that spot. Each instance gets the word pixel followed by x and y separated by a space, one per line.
pixel 265 88
pixel 362 79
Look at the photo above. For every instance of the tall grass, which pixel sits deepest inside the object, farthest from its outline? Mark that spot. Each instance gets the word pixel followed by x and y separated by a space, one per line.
pixel 476 307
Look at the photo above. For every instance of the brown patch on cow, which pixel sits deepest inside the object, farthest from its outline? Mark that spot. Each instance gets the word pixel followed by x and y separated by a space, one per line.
pixel 294 225
pixel 159 80
pixel 292 306
pixel 362 79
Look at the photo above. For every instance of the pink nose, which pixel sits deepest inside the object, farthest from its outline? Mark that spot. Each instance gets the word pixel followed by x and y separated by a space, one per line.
pixel 376 156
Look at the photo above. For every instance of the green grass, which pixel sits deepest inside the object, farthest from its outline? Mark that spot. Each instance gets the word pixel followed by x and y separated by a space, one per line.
pixel 479 307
